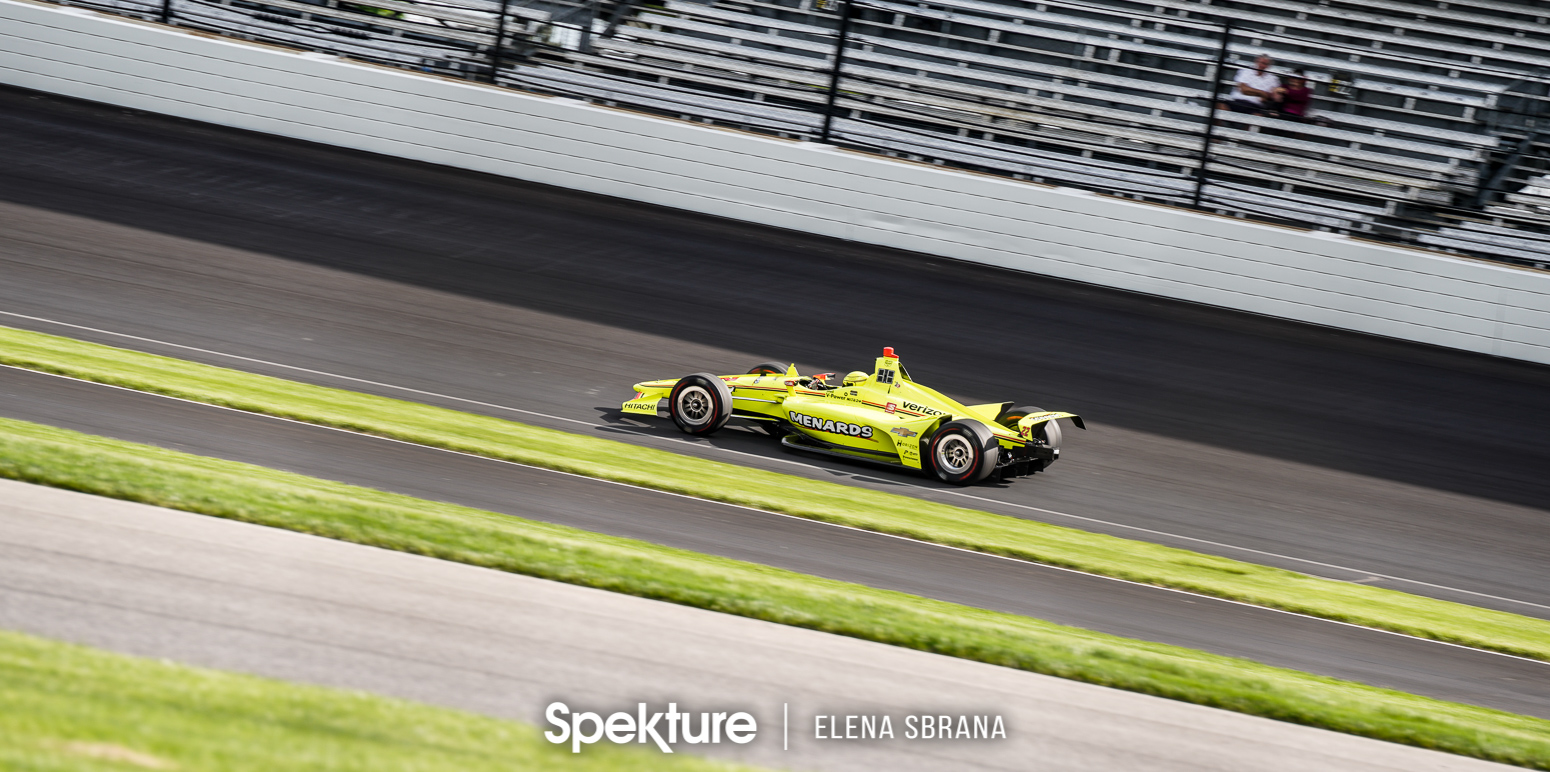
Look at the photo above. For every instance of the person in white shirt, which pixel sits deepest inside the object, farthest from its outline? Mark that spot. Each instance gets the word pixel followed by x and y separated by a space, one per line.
pixel 1251 88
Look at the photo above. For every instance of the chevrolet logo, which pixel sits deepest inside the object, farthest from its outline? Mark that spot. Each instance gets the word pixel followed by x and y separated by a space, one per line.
pixel 903 432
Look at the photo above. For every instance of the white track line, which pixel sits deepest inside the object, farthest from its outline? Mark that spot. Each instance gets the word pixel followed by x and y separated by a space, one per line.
pixel 655 491
pixel 960 494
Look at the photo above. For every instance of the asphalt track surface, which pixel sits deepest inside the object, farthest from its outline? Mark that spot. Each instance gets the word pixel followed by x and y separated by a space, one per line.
pixel 165 584
pixel 1132 610
pixel 1332 453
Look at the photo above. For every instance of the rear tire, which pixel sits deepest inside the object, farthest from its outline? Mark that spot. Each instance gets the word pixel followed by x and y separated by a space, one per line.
pixel 768 368
pixel 1049 431
pixel 700 404
pixel 963 452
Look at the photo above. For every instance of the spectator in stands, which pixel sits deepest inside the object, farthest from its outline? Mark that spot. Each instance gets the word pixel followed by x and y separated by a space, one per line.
pixel 1291 100
pixel 1253 88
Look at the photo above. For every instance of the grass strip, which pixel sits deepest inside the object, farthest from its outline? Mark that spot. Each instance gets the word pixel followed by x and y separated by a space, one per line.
pixel 818 500
pixel 66 459
pixel 72 707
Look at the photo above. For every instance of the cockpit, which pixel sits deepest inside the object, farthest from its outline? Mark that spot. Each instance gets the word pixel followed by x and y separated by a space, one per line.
pixel 889 370
pixel 831 381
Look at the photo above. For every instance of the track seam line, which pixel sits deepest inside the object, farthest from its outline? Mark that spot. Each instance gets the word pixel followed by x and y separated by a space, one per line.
pixel 624 430
pixel 657 491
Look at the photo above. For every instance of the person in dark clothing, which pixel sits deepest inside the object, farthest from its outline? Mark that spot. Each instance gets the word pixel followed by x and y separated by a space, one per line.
pixel 1291 100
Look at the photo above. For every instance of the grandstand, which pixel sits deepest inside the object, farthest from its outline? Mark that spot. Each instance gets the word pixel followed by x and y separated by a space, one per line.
pixel 1433 115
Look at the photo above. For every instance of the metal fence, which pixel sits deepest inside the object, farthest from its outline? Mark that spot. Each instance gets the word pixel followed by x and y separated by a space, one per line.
pixel 1103 98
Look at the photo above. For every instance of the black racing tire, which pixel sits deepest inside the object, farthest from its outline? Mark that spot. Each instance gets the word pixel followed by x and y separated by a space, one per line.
pixel 700 404
pixel 769 368
pixel 963 452
pixel 1049 431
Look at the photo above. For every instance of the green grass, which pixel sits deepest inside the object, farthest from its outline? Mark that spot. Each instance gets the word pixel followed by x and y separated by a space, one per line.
pixel 819 500
pixel 66 459
pixel 65 707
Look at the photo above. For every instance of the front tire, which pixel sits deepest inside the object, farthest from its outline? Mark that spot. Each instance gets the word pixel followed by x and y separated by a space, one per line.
pixel 963 452
pixel 700 404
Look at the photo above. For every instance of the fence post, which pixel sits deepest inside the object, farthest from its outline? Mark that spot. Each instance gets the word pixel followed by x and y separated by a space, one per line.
pixel 587 20
pixel 166 12
pixel 621 9
pixel 500 43
pixel 834 74
pixel 1205 144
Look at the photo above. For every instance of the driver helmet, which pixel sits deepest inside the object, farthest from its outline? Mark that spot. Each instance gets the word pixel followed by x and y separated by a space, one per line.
pixel 855 377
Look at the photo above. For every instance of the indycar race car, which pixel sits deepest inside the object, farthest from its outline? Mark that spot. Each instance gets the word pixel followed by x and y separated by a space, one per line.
pixel 882 416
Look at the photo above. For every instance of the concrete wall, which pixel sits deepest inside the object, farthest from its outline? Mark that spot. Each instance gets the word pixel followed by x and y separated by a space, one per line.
pixel 1332 281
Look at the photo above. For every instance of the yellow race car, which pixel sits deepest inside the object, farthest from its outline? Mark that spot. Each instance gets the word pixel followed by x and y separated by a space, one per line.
pixel 882 416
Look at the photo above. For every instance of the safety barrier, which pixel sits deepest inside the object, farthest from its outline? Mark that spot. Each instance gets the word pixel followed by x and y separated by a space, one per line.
pixel 1309 277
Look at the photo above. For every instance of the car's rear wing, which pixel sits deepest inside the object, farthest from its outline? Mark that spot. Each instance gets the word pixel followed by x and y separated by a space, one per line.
pixel 1025 426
